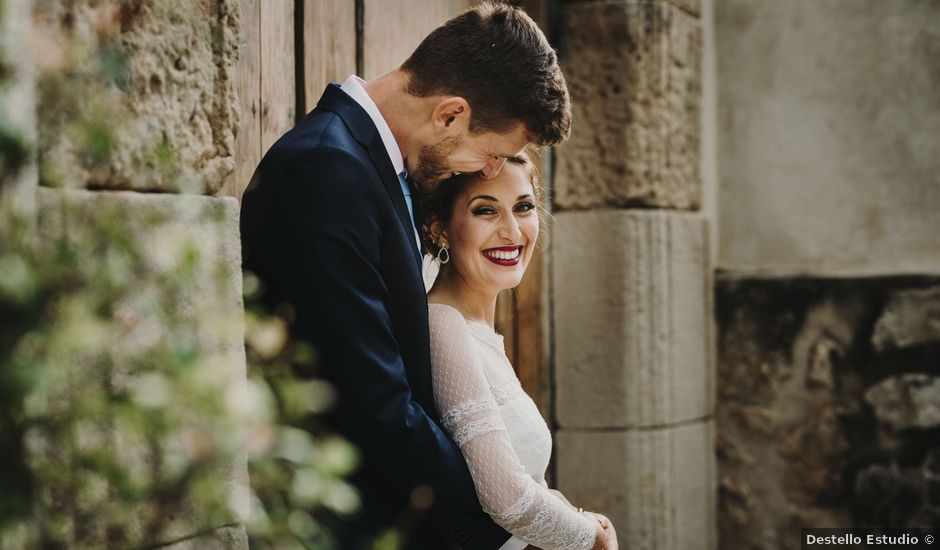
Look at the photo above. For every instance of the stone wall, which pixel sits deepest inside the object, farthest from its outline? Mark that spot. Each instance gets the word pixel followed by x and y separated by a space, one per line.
pixel 826 128
pixel 828 154
pixel 138 96
pixel 631 276
pixel 829 406
pixel 170 104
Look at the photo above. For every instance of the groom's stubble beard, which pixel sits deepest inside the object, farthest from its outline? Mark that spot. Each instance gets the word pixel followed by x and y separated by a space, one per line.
pixel 432 166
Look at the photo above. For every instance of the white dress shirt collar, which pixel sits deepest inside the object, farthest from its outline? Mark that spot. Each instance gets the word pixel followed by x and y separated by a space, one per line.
pixel 353 86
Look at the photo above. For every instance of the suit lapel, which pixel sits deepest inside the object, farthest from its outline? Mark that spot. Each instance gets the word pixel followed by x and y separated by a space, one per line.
pixel 363 129
pixel 380 158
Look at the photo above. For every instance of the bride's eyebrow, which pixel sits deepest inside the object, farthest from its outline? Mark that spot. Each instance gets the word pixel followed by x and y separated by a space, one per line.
pixel 485 197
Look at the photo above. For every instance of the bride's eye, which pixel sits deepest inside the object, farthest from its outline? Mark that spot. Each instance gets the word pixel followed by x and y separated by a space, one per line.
pixel 483 211
pixel 524 207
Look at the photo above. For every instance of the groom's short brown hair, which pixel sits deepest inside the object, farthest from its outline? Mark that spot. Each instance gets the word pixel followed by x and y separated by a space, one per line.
pixel 496 58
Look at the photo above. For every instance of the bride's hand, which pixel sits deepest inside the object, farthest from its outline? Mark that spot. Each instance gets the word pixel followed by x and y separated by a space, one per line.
pixel 601 540
pixel 610 535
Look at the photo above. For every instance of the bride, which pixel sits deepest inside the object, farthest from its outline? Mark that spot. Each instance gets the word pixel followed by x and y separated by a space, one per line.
pixel 483 233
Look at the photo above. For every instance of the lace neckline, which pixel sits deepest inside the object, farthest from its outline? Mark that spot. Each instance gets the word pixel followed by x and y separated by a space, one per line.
pixel 479 329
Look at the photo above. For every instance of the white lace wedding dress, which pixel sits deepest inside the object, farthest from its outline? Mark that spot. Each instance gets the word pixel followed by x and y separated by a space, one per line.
pixel 501 433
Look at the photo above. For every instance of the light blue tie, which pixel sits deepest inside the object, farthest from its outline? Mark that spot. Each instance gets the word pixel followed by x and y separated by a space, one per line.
pixel 411 213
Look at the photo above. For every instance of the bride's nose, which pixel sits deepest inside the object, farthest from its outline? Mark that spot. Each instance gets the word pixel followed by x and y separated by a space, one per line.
pixel 509 229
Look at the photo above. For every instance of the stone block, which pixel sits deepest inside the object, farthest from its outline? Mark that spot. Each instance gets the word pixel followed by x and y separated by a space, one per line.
pixel 17 117
pixel 631 315
pixel 656 485
pixel 156 79
pixel 184 287
pixel 911 317
pixel 907 401
pixel 634 72
pixel 798 443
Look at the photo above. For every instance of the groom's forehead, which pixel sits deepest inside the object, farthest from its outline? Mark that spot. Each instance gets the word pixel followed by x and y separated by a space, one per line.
pixel 507 144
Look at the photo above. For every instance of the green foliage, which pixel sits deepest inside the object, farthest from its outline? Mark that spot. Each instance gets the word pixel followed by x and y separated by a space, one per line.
pixel 117 411
pixel 97 139
pixel 111 401
pixel 13 151
pixel 298 476
pixel 120 423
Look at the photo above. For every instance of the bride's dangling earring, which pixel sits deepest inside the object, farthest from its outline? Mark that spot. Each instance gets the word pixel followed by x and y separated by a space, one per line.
pixel 443 255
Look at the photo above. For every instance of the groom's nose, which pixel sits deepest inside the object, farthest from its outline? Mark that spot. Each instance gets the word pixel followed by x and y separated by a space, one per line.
pixel 491 169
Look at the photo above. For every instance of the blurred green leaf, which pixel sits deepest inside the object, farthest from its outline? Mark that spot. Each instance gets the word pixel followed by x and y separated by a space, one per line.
pixel 14 151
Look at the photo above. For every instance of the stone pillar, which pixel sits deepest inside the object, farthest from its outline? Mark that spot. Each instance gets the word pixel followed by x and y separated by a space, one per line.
pixel 631 280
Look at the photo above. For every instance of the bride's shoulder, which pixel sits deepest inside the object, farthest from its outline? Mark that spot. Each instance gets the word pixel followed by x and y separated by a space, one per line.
pixel 447 322
pixel 447 325
pixel 444 313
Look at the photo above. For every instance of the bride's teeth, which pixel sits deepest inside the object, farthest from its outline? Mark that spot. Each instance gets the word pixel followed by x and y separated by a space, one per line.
pixel 503 255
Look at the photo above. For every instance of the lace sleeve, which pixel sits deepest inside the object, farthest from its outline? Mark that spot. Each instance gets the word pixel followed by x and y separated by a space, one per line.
pixel 507 493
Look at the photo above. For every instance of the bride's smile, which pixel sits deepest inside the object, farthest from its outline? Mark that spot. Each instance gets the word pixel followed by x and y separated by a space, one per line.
pixel 504 255
pixel 492 230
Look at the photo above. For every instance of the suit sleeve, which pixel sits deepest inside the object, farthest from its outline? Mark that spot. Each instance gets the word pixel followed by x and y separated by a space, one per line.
pixel 332 271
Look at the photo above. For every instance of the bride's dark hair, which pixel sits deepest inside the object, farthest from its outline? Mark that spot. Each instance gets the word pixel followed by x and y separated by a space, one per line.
pixel 438 205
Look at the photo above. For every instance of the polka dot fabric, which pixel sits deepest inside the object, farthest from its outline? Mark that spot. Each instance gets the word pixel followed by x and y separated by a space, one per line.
pixel 501 433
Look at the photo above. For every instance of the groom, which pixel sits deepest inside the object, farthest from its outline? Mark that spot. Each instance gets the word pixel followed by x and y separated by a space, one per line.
pixel 328 226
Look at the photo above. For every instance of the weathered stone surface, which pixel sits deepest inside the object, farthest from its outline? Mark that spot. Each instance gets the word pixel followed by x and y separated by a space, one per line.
pixel 694 7
pixel 633 69
pixel 632 317
pixel 895 496
pixel 656 485
pixel 794 430
pixel 910 318
pixel 157 82
pixel 816 450
pixel 907 401
pixel 17 116
pixel 195 241
pixel 226 538
pixel 826 139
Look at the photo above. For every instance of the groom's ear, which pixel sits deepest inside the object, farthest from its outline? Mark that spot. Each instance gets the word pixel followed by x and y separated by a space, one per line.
pixel 451 115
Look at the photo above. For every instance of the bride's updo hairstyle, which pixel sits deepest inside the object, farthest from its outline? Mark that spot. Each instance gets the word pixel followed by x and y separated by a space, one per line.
pixel 438 205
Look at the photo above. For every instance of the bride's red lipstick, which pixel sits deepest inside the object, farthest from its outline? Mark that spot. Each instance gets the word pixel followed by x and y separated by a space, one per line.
pixel 500 261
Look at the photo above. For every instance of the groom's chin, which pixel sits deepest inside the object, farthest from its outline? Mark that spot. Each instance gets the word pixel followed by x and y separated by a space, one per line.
pixel 431 183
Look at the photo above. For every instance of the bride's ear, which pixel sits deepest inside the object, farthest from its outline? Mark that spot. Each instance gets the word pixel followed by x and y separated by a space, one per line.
pixel 437 233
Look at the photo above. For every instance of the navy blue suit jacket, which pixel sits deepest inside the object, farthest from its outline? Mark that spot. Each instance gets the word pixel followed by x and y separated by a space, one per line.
pixel 325 227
